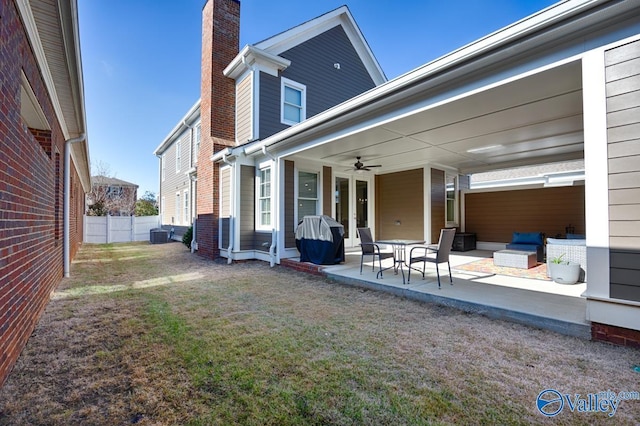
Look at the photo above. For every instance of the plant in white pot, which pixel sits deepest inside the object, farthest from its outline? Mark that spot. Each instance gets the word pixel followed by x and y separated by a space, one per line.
pixel 563 271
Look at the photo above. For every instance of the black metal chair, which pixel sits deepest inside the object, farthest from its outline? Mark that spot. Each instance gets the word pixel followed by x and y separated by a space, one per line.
pixel 369 248
pixel 441 251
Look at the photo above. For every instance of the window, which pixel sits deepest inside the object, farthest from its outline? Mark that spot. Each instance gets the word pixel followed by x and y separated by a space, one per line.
pixel 264 198
pixel 177 217
pixel 196 149
pixel 451 200
pixel 114 192
pixel 293 95
pixel 307 194
pixel 187 219
pixel 162 164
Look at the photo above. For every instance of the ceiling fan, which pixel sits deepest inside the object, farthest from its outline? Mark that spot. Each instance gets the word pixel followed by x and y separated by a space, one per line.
pixel 359 167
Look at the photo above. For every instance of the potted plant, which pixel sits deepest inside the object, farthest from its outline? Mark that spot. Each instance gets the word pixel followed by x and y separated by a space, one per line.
pixel 563 271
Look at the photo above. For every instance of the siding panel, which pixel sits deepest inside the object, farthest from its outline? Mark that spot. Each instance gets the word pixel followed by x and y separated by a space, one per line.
pixel 494 216
pixel 327 185
pixel 312 64
pixel 225 189
pixel 289 204
pixel 623 120
pixel 247 207
pixel 399 196
pixel 244 110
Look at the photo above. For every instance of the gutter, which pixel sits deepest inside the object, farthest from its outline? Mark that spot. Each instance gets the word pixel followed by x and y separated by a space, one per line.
pixel 67 191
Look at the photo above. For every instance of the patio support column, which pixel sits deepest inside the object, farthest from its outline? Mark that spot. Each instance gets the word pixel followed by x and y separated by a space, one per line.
pixel 426 173
pixel 596 173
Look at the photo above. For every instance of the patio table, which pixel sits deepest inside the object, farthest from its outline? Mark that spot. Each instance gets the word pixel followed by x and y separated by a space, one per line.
pixel 399 254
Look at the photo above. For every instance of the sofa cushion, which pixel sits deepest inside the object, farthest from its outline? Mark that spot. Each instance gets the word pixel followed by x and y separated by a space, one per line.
pixel 527 238
pixel 562 241
pixel 523 247
pixel 575 237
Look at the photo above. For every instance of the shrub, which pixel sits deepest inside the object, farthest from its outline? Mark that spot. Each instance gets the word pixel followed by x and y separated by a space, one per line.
pixel 187 237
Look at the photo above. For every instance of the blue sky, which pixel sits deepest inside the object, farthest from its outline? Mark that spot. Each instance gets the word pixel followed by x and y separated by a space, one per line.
pixel 141 58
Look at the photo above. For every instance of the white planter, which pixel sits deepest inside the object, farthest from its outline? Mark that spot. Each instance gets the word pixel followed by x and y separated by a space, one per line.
pixel 564 273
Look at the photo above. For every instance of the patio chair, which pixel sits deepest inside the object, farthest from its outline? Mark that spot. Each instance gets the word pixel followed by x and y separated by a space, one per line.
pixel 369 248
pixel 434 254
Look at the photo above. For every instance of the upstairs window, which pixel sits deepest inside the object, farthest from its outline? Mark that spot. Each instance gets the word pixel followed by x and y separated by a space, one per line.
pixel 294 99
pixel 196 149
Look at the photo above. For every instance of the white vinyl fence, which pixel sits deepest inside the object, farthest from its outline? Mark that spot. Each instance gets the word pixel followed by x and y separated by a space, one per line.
pixel 118 229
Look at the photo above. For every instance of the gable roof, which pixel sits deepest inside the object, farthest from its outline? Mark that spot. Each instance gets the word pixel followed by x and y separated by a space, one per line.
pixel 105 180
pixel 267 51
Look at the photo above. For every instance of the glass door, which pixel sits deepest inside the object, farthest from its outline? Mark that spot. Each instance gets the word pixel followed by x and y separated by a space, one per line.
pixel 352 206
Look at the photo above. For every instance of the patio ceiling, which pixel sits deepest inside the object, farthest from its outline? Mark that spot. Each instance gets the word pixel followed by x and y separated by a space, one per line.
pixel 532 120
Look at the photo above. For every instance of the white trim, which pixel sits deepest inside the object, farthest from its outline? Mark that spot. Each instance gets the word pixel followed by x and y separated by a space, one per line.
pixel 163 167
pixel 258 208
pixel 596 172
pixel 178 209
pixel 284 83
pixel 619 313
pixel 178 154
pixel 186 207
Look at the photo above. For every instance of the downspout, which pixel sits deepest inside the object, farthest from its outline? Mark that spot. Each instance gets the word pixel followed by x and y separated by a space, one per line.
pixel 231 236
pixel 194 243
pixel 67 198
pixel 272 248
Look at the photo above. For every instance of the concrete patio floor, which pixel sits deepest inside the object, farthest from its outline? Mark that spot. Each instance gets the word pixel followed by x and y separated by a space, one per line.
pixel 534 302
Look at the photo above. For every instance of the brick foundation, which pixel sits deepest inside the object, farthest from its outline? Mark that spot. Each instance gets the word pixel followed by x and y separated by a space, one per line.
pixel 617 335
pixel 309 268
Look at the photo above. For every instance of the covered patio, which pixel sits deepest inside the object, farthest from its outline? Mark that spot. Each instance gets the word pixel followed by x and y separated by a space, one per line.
pixel 535 302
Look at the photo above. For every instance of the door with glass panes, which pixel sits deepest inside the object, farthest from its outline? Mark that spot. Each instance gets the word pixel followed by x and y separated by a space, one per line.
pixel 352 205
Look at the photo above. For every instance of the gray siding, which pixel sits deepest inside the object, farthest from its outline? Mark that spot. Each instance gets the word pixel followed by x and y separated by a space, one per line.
pixel 244 110
pixel 623 123
pixel 247 207
pixel 312 64
pixel 175 181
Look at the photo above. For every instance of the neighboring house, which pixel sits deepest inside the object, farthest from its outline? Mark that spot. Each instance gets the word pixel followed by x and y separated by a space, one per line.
pixel 116 196
pixel 44 162
pixel 178 157
pixel 560 85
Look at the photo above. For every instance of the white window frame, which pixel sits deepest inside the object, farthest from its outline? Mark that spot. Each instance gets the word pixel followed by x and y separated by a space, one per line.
pixel 185 204
pixel 260 226
pixel 285 82
pixel 455 200
pixel 178 155
pixel 297 195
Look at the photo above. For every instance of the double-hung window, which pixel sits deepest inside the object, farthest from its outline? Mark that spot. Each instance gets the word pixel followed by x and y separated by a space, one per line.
pixel 187 219
pixel 264 198
pixel 307 194
pixel 294 99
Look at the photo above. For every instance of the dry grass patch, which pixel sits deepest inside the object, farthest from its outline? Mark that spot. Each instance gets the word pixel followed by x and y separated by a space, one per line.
pixel 149 334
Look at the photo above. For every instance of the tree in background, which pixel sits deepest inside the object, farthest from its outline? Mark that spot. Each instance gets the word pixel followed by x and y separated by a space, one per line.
pixel 147 205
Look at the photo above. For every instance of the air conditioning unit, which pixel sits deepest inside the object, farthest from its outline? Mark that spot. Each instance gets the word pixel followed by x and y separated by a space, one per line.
pixel 158 236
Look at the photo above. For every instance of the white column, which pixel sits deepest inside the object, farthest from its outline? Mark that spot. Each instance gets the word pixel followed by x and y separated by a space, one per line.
pixel 596 173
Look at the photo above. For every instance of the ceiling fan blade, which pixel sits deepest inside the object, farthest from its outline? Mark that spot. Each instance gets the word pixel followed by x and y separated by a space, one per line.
pixel 377 165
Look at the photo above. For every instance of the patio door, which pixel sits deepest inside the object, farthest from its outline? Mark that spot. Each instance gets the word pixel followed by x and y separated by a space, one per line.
pixel 352 205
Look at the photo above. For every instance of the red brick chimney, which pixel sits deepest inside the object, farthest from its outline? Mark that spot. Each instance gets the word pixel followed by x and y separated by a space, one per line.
pixel 220 45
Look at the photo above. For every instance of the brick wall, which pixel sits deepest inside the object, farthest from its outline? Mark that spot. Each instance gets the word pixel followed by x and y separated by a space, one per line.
pixel 31 191
pixel 616 335
pixel 220 44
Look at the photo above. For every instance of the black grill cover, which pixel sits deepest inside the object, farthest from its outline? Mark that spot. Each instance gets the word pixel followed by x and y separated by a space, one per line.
pixel 320 240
